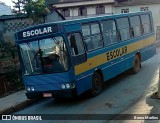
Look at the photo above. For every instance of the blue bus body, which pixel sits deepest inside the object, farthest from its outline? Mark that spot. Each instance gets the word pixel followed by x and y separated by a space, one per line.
pixel 108 59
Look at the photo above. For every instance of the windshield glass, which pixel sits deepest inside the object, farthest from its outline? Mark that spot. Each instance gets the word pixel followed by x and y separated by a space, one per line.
pixel 44 56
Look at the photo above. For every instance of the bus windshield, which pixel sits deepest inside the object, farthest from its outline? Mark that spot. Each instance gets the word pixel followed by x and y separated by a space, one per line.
pixel 44 56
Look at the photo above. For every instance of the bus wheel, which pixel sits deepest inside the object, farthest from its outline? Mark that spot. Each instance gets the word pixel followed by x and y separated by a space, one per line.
pixel 97 85
pixel 136 64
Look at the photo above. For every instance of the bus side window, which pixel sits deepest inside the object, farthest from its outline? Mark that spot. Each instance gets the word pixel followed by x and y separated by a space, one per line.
pixel 124 28
pixel 73 45
pixel 76 44
pixel 146 23
pixel 92 36
pixel 87 37
pixel 110 34
pixel 96 36
pixel 118 35
pixel 135 26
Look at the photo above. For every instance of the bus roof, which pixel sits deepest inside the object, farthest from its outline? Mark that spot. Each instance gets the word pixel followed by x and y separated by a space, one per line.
pixel 103 16
pixel 46 26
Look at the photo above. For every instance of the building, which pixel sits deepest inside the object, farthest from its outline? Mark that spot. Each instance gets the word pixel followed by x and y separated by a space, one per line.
pixel 9 24
pixel 142 5
pixel 4 9
pixel 71 9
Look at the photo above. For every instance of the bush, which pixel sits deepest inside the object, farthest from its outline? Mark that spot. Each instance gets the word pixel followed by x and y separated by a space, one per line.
pixel 13 78
pixel 9 69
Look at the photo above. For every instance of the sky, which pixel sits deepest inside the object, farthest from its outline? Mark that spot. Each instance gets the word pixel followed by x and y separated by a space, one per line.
pixel 8 2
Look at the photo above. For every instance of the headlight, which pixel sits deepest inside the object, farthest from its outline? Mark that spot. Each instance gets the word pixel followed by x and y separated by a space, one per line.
pixel 28 89
pixel 72 85
pixel 32 88
pixel 63 86
pixel 68 86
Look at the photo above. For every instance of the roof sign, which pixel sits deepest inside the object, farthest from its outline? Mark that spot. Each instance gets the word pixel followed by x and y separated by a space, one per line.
pixel 37 31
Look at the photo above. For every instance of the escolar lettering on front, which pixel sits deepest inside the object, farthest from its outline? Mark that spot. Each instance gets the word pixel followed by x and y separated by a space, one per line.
pixel 37 32
pixel 116 53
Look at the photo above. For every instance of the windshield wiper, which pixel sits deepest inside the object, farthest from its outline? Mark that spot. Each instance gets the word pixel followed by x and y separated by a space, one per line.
pixel 37 53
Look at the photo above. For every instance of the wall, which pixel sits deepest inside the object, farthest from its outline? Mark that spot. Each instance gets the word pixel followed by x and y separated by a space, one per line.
pixel 91 11
pixel 82 3
pixel 9 27
pixel 109 9
pixel 53 16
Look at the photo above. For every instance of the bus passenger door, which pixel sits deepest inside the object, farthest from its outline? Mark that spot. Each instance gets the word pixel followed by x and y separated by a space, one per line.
pixel 77 48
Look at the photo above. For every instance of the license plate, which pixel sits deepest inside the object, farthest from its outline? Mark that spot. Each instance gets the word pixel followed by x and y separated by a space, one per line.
pixel 47 94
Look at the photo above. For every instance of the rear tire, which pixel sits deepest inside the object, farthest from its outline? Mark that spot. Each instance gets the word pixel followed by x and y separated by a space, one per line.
pixel 136 64
pixel 97 85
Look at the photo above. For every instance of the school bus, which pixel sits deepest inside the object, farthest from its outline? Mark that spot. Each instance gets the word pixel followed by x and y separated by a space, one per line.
pixel 67 58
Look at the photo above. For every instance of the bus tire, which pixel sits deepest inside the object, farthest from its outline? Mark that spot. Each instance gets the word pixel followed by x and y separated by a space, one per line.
pixel 136 64
pixel 97 85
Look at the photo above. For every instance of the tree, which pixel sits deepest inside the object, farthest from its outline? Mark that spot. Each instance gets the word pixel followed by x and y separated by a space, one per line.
pixel 18 7
pixel 36 9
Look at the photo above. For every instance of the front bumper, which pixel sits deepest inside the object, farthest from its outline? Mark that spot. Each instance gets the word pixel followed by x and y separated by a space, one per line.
pixel 55 94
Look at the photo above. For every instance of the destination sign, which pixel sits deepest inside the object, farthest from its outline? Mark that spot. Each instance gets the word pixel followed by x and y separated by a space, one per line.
pixel 39 31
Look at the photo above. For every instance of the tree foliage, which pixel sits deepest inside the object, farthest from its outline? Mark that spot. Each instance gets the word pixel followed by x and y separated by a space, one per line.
pixel 36 9
pixel 18 6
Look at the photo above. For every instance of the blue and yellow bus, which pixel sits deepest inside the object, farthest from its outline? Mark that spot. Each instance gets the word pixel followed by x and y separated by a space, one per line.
pixel 67 58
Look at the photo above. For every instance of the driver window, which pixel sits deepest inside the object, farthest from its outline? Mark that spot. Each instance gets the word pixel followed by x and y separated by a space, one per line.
pixel 75 41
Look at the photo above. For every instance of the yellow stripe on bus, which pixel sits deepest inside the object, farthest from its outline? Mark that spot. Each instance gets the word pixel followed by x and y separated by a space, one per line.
pixel 108 56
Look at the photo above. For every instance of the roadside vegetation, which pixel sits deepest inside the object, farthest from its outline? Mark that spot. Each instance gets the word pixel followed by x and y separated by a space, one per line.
pixel 10 80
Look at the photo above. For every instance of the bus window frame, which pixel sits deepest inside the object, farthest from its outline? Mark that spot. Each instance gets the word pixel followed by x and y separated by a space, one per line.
pixel 82 43
pixel 73 57
pixel 151 28
pixel 93 24
pixel 115 30
pixel 133 36
pixel 22 66
pixel 118 30
pixel 86 36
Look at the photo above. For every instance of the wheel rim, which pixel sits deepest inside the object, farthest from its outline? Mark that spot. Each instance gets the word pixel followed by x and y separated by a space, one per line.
pixel 97 84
